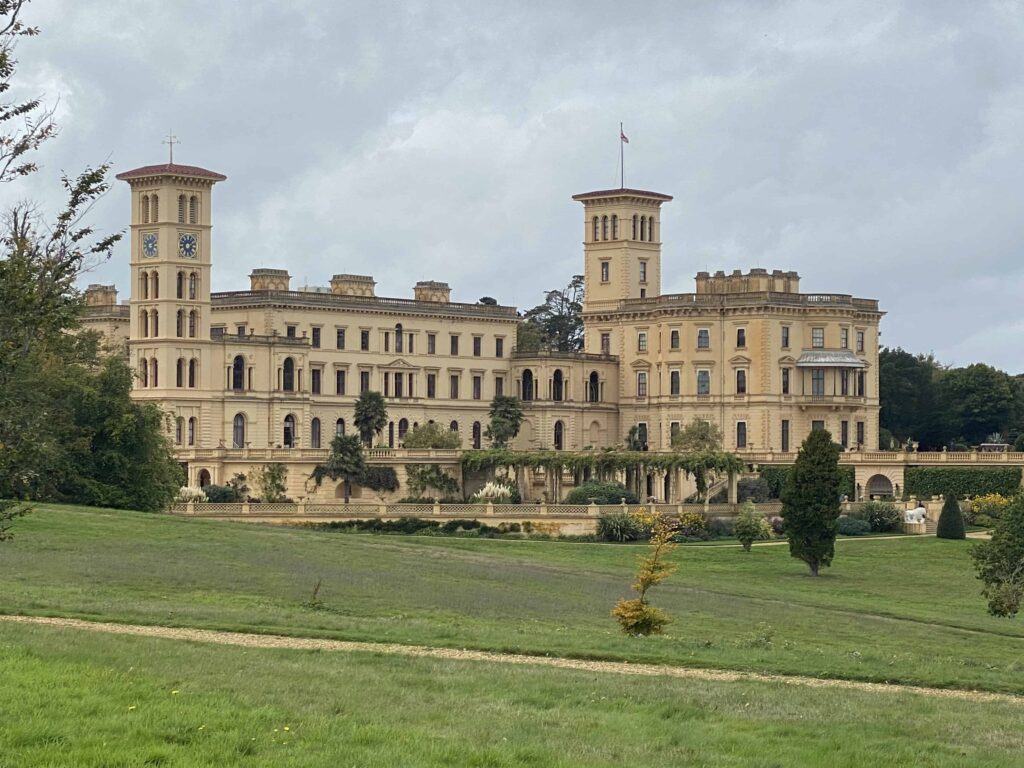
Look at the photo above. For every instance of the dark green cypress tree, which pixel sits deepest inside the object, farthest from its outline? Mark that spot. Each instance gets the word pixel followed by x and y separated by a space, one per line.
pixel 951 520
pixel 810 501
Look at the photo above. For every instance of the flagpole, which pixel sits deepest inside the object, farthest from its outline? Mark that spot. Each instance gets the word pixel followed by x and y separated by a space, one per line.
pixel 622 158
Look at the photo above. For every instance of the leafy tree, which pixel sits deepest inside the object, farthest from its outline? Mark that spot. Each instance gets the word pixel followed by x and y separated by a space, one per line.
pixel 637 616
pixel 976 400
pixel 906 384
pixel 810 501
pixel 272 481
pixel 344 462
pixel 9 511
pixel 698 435
pixel 558 322
pixel 750 526
pixel 951 520
pixel 1000 562
pixel 488 301
pixel 431 435
pixel 506 417
pixel 371 415
pixel 239 483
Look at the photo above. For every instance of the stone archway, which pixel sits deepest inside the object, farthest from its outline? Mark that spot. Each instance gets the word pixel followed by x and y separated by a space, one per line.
pixel 878 486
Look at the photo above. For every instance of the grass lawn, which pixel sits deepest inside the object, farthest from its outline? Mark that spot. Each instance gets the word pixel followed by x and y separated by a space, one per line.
pixel 904 609
pixel 72 698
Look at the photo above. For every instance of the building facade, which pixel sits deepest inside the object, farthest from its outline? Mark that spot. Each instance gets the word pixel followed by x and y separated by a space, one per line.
pixel 274 371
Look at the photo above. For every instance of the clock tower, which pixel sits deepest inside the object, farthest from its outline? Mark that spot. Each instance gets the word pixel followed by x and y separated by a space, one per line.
pixel 169 337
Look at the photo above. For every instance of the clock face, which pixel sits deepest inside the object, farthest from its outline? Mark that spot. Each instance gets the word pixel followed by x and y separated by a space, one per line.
pixel 188 245
pixel 149 244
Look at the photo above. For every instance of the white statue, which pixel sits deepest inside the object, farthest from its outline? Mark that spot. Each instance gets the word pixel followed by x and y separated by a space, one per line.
pixel 917 515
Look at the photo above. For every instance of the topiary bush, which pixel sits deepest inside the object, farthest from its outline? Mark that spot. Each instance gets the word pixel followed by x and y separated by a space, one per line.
pixel 881 516
pixel 951 520
pixel 925 482
pixel 601 493
pixel 221 494
pixel 851 526
pixel 620 526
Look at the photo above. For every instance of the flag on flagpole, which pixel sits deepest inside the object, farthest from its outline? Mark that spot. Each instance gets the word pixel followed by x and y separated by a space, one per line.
pixel 622 137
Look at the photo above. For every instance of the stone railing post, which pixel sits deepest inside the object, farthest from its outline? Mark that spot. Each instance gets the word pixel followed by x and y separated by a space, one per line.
pixel 300 508
pixel 245 507
pixel 382 509
pixel 437 507
pixel 490 508
pixel 190 507
pixel 593 510
pixel 622 502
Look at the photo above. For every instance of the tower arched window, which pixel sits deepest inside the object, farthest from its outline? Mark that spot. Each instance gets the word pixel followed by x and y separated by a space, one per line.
pixel 594 388
pixel 559 435
pixel 155 319
pixel 238 373
pixel 615 227
pixel 288 383
pixel 403 427
pixel 193 210
pixel 180 292
pixel 399 344
pixel 193 285
pixel 155 208
pixel 179 373
pixel 238 431
pixel 179 430
pixel 643 227
pixel 192 424
pixel 154 378
pixel 144 323
pixel 636 225
pixel 155 284
pixel 181 209
pixel 604 227
pixel 650 229
pixel 557 386
pixel 314 433
pixel 339 428
pixel 144 372
pixel 145 209
pixel 289 431
pixel 476 434
pixel 179 325
pixel 597 230
pixel 526 393
pixel 193 372
pixel 192 324
pixel 145 285
pixel 391 434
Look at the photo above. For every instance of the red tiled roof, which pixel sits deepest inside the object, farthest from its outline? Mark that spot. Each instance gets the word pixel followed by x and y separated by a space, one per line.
pixel 171 169
pixel 621 192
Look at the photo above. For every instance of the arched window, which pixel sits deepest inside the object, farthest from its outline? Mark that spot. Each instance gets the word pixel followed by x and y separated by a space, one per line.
pixel 145 285
pixel 193 372
pixel 636 224
pixel 179 430
pixel 144 323
pixel 391 434
pixel 289 375
pixel 193 285
pixel 289 431
pixel 398 338
pixel 527 389
pixel 314 433
pixel 559 436
pixel 741 382
pixel 179 373
pixel 741 434
pixel 155 319
pixel 193 210
pixel 145 209
pixel 192 431
pixel 339 427
pixel 144 372
pixel 238 432
pixel 155 281
pixel 180 324
pixel 192 324
pixel 476 434
pixel 403 427
pixel 181 209
pixel 204 478
pixel 650 229
pixel 238 373
pixel 154 378
pixel 643 227
pixel 557 386
pixel 454 427
pixel 615 227
pixel 604 227
pixel 180 292
pixel 594 388
pixel 155 202
pixel 597 230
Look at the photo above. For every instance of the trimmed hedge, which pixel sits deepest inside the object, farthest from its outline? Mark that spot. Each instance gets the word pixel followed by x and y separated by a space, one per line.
pixel 951 520
pixel 775 477
pixel 923 482
pixel 601 493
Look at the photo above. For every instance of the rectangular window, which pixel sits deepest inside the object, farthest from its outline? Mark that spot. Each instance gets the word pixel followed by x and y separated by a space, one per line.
pixel 499 386
pixel 741 434
pixel 399 382
pixel 316 338
pixel 454 392
pixel 431 385
pixel 478 387
pixel 339 341
pixel 364 341
pixel 387 384
pixel 703 382
pixel 241 330
pixel 641 342
pixel 315 376
pixel 289 331
pixel 741 338
pixel 844 434
pixel 817 425
pixel 861 391
pixel 785 381
pixel 673 339
pixel 477 346
pixel 339 382
pixel 411 337
pixel 817 338
pixel 387 341
pixel 604 271
pixel 606 343
pixel 364 381
pixel 860 341
pixel 785 339
pixel 641 384
pixel 703 338
pixel 860 433
pixel 741 382
pixel 643 271
pixel 844 338
pixel 844 382
pixel 673 382
pixel 499 347
pixel 431 343
pixel 673 429
pixel 785 435
pixel 454 345
pixel 818 382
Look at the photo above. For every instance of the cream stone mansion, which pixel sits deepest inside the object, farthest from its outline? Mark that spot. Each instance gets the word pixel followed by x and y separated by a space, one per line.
pixel 272 372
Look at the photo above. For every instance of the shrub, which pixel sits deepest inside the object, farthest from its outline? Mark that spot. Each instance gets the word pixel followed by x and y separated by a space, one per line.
pixel 637 617
pixel 187 494
pixel 721 527
pixel 755 489
pixel 851 526
pixel 778 525
pixel 951 520
pixel 493 492
pixel 992 505
pixel 601 493
pixel 1000 562
pixel 692 525
pixel 221 494
pixel 925 482
pixel 983 520
pixel 881 516
pixel 379 478
pixel 620 526
pixel 750 526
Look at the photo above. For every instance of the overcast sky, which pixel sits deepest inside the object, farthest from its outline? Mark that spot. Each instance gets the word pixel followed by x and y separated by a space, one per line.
pixel 876 148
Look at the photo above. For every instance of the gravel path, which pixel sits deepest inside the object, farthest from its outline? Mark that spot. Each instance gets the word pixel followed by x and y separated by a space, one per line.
pixel 613 667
